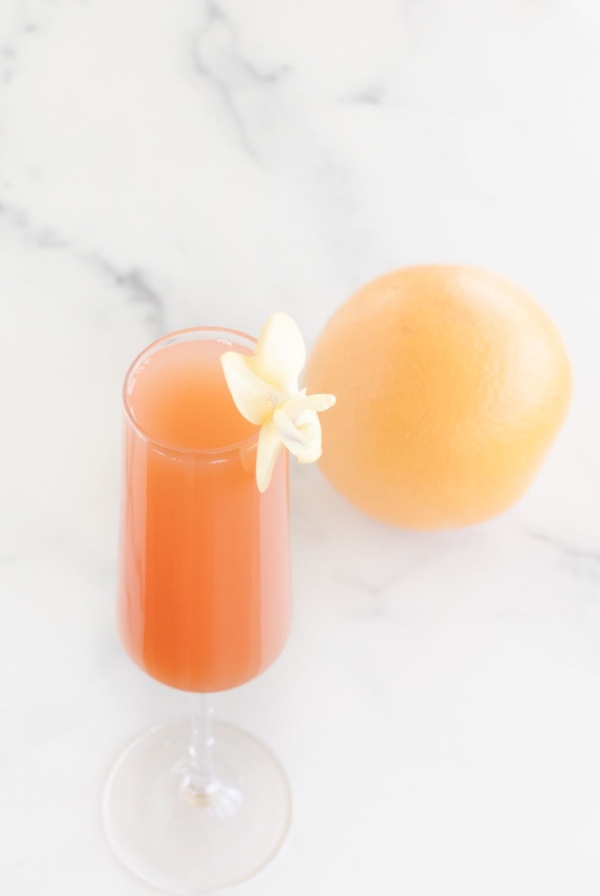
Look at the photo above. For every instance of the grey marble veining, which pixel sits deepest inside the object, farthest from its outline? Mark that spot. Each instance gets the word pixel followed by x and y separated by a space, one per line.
pixel 213 161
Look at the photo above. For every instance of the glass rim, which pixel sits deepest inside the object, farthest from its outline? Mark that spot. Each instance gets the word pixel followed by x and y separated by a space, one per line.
pixel 161 342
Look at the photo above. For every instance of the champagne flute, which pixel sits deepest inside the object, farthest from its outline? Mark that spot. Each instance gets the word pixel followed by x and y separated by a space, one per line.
pixel 204 605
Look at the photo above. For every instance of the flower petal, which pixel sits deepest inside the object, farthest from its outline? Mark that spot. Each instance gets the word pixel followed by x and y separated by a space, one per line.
pixel 310 426
pixel 320 401
pixel 293 439
pixel 280 353
pixel 269 447
pixel 302 439
pixel 301 402
pixel 253 397
pixel 310 455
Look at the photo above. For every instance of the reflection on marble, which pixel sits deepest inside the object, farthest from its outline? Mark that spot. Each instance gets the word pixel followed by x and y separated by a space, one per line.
pixel 169 164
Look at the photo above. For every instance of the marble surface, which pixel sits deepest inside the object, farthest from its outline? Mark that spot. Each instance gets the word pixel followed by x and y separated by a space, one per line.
pixel 165 164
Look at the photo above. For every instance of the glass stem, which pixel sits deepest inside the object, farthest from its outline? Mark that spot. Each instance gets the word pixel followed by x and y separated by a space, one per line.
pixel 202 781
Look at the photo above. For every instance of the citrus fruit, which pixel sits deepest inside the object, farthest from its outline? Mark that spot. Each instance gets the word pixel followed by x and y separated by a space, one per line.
pixel 451 383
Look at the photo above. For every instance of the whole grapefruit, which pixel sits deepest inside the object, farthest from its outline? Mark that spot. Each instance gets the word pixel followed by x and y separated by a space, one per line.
pixel 451 384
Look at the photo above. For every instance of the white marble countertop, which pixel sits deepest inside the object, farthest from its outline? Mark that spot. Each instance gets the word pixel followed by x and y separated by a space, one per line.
pixel 166 164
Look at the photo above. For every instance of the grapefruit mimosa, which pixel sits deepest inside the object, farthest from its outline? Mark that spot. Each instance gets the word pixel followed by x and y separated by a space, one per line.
pixel 204 601
pixel 203 605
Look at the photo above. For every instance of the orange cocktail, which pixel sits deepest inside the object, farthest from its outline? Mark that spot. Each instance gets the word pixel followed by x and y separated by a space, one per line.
pixel 204 599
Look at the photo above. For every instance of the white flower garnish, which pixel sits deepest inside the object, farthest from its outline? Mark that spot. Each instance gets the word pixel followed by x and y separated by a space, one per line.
pixel 264 387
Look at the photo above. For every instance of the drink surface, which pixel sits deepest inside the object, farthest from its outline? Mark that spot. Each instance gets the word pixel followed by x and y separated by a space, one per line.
pixel 204 595
pixel 179 396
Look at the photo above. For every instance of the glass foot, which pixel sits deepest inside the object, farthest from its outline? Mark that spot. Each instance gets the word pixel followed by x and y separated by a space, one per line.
pixel 184 842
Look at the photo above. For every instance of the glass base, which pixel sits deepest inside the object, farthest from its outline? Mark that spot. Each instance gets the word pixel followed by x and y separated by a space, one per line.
pixel 186 843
